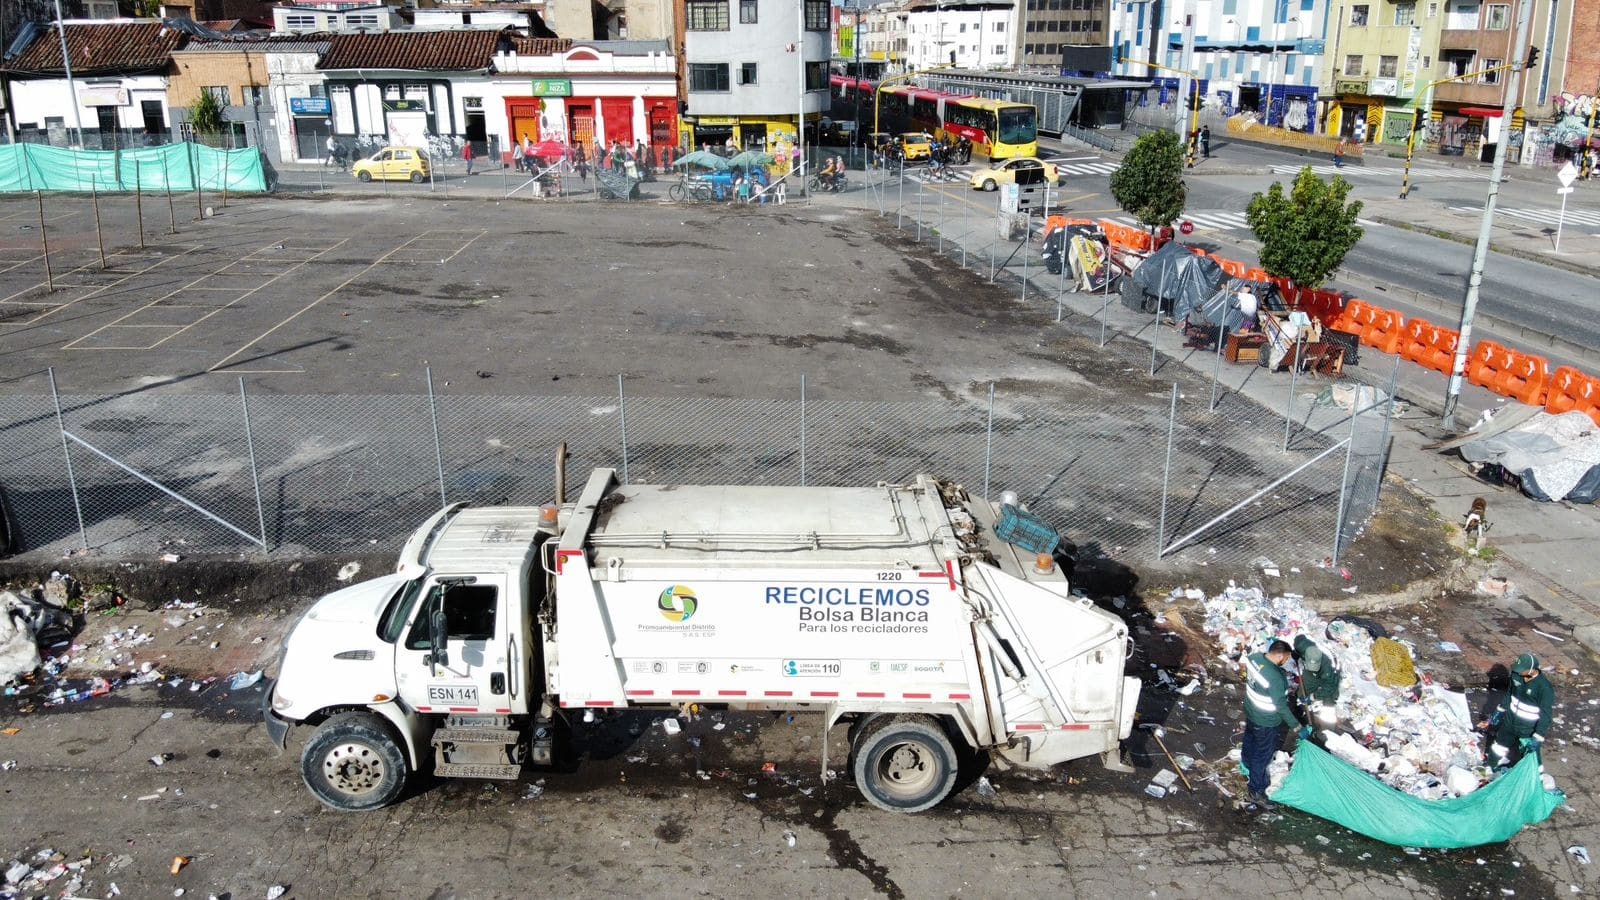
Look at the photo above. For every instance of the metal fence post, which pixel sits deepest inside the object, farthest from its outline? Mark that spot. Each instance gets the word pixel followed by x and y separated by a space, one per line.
pixel 1155 325
pixel 72 478
pixel 994 237
pixel 1061 269
pixel 194 169
pixel 1027 239
pixel 900 202
pixel 1166 474
pixel 802 429
pixel 138 201
pixel 1294 379
pixel 622 419
pixel 1344 482
pixel 920 192
pixel 255 476
pixel 988 444
pixel 227 156
pixel 44 241
pixel 1216 365
pixel 1105 300
pixel 172 213
pixel 438 445
pixel 941 222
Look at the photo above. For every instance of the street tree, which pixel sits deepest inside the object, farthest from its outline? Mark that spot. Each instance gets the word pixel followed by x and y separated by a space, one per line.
pixel 1149 183
pixel 1305 233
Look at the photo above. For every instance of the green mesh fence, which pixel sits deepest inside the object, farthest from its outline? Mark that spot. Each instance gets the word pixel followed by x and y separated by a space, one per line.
pixel 36 167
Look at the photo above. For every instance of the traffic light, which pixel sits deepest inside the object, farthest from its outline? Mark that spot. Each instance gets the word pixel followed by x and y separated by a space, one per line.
pixel 1533 57
pixel 1419 122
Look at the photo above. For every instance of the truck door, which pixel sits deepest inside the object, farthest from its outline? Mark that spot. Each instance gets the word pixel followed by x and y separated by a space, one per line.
pixel 473 676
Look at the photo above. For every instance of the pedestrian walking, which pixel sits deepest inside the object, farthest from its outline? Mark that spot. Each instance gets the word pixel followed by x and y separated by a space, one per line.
pixel 1205 141
pixel 794 157
pixel 517 156
pixel 1267 716
pixel 641 156
pixel 583 165
pixel 333 150
pixel 466 154
pixel 1338 154
pixel 1523 718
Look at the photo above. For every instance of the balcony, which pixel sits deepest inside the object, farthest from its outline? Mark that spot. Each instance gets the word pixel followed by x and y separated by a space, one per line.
pixel 1469 94
pixel 1461 39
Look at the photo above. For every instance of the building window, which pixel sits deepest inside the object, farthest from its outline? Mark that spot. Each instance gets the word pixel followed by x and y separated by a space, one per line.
pixel 1491 77
pixel 1499 18
pixel 362 20
pixel 817 15
pixel 218 93
pixel 999 50
pixel 817 76
pixel 1387 66
pixel 300 21
pixel 256 95
pixel 747 73
pixel 1405 13
pixel 747 12
pixel 709 15
pixel 1433 10
pixel 1352 65
pixel 999 27
pixel 708 77
pixel 1358 16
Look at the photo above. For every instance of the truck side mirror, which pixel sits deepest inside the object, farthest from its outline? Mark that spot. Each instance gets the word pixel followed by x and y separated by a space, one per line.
pixel 438 635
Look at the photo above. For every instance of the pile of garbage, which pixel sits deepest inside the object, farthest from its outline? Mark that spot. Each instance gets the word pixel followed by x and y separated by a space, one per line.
pixel 1414 735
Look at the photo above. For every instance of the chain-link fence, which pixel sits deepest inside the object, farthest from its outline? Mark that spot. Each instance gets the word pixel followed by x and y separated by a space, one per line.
pixel 1261 458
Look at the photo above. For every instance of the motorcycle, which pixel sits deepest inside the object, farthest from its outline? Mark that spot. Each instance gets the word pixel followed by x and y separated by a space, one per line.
pixel 838 185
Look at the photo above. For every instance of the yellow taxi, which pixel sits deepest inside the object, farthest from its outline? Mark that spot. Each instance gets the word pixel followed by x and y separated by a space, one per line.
pixel 991 178
pixel 915 145
pixel 394 164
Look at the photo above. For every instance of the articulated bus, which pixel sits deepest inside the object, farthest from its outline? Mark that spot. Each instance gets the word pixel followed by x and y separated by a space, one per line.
pixel 998 129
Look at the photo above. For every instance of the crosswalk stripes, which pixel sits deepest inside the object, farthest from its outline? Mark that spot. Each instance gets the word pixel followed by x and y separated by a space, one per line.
pixel 1416 171
pixel 1096 168
pixel 1223 220
pixel 1542 216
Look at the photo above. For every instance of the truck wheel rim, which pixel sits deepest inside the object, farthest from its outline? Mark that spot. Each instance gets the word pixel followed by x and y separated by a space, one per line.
pixel 907 770
pixel 353 769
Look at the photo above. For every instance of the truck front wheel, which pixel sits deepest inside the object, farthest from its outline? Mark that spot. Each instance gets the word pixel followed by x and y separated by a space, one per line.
pixel 353 763
pixel 904 763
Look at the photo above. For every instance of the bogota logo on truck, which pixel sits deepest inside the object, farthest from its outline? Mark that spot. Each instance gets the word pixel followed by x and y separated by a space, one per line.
pixel 677 603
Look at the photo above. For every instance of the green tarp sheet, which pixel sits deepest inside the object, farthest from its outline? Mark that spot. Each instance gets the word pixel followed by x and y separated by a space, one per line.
pixel 38 167
pixel 1324 785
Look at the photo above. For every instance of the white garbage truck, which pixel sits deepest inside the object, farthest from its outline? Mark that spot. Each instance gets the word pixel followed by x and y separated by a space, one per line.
pixel 899 609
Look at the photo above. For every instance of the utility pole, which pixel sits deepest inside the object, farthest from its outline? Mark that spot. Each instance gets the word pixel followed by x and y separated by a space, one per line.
pixel 855 38
pixel 1188 82
pixel 1480 253
pixel 66 63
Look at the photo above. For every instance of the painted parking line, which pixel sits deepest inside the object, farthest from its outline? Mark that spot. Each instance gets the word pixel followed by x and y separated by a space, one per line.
pixel 153 321
pixel 51 307
pixel 225 362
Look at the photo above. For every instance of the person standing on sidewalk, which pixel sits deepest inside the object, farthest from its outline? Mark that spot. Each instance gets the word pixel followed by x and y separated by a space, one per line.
pixel 466 154
pixel 1205 141
pixel 1338 154
pixel 1267 716
pixel 1524 716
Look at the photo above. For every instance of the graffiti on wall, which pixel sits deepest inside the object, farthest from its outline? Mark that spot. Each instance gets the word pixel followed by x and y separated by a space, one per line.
pixel 1569 104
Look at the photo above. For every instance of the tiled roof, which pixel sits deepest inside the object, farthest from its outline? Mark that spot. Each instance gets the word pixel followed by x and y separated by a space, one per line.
pixel 99 49
pixel 311 42
pixel 416 50
pixel 526 46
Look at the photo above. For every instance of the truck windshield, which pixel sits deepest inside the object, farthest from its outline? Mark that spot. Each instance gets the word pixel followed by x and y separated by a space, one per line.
pixel 393 621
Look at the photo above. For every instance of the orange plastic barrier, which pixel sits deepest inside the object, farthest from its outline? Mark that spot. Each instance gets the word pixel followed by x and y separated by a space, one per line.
pixel 1354 317
pixel 1385 330
pixel 1572 390
pixel 1257 275
pixel 1052 223
pixel 1414 338
pixel 1440 355
pixel 1527 379
pixel 1123 237
pixel 1509 373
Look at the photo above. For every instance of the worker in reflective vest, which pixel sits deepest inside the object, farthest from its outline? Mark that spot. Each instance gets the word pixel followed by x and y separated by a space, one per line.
pixel 1267 715
pixel 1319 681
pixel 1524 717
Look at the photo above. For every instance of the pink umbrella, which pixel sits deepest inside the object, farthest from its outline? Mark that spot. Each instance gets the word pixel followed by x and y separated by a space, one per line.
pixel 549 150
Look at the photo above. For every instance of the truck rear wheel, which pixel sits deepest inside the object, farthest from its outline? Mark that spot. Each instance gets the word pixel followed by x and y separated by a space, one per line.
pixel 353 763
pixel 904 763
